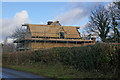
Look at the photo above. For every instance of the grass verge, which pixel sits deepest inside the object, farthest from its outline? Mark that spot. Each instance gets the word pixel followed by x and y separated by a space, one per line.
pixel 57 71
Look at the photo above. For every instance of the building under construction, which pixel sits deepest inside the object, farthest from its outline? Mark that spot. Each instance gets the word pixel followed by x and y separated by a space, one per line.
pixel 50 35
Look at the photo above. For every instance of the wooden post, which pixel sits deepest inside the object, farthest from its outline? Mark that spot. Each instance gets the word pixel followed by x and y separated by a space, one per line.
pixel 24 43
pixel 44 38
pixel 76 42
pixel 35 39
pixel 56 39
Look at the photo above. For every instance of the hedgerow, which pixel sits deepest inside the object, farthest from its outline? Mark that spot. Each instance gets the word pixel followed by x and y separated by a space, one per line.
pixel 98 57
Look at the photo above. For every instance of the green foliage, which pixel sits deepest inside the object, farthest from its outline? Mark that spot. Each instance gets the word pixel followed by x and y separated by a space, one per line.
pixel 98 57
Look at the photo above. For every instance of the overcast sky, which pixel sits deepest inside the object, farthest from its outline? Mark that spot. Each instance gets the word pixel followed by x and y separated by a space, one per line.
pixel 68 13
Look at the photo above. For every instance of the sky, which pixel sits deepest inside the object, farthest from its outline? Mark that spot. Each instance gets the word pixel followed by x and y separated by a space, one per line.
pixel 68 13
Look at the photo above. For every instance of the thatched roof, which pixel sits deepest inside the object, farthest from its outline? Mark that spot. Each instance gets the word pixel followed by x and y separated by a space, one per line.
pixel 53 31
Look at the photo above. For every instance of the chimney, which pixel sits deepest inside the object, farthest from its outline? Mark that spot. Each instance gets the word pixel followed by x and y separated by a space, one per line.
pixel 57 21
pixel 49 22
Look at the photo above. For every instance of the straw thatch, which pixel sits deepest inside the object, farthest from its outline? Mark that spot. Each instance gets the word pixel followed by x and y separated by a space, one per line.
pixel 53 31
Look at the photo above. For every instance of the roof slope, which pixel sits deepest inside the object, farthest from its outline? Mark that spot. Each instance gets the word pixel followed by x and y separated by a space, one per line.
pixel 53 31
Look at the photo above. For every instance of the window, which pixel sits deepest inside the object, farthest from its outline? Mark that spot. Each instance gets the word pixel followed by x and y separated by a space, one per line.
pixel 62 35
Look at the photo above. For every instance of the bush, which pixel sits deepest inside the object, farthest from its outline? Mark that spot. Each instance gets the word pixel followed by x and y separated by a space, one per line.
pixel 98 57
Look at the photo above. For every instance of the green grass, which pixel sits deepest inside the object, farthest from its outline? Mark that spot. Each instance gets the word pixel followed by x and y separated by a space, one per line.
pixel 57 71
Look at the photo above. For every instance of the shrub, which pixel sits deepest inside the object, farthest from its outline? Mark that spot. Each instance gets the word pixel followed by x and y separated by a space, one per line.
pixel 98 57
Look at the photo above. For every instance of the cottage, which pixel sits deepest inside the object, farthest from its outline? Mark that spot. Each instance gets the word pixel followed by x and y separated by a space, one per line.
pixel 50 35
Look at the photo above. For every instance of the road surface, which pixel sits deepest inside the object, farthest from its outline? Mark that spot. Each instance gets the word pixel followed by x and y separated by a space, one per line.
pixel 9 74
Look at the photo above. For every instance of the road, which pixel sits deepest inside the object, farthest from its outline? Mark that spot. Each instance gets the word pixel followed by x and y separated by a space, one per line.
pixel 9 74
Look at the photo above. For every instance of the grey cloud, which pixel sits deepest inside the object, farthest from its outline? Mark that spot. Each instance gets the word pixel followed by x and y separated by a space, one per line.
pixel 77 13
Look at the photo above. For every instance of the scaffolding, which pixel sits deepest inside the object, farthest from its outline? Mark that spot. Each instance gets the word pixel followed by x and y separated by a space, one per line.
pixel 48 39
pixel 40 42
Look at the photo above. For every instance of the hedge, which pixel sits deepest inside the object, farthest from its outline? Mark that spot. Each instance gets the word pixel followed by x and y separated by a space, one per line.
pixel 98 57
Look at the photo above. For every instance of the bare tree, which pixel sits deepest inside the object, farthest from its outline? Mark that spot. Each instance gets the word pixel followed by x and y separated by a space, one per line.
pixel 114 14
pixel 117 7
pixel 8 46
pixel 19 33
pixel 99 22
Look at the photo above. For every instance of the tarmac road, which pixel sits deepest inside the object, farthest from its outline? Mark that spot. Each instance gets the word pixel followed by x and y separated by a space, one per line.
pixel 9 74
